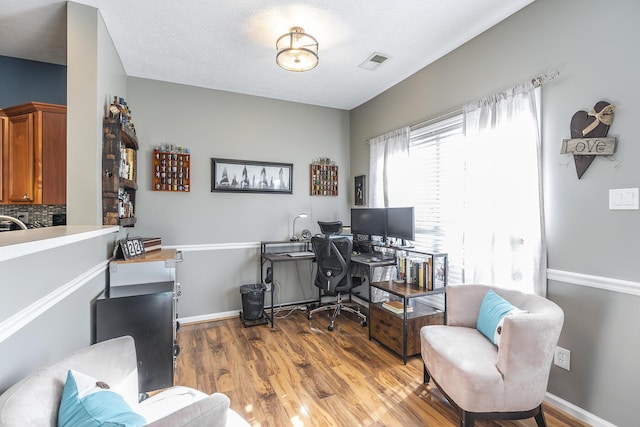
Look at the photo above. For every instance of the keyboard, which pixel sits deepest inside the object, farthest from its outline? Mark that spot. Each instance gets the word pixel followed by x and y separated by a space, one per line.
pixel 299 254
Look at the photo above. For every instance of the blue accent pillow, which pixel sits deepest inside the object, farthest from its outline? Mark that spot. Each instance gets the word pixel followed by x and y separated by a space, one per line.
pixel 88 403
pixel 492 312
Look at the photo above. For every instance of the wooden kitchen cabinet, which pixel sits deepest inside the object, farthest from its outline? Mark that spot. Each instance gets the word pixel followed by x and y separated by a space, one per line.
pixel 3 139
pixel 35 154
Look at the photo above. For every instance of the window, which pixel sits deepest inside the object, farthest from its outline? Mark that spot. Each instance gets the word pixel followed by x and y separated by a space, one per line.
pixel 474 180
pixel 435 188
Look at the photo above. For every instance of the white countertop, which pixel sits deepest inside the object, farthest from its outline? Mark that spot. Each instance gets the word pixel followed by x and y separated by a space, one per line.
pixel 14 244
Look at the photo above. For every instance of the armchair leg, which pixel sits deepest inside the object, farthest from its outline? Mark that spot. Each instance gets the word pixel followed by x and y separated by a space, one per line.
pixel 466 419
pixel 426 377
pixel 540 418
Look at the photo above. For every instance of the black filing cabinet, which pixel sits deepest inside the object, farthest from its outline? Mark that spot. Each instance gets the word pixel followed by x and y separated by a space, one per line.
pixel 146 312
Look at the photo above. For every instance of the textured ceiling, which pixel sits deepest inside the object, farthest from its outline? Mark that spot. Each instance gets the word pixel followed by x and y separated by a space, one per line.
pixel 230 45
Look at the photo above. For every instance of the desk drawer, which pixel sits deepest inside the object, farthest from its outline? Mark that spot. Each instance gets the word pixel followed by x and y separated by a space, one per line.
pixel 386 327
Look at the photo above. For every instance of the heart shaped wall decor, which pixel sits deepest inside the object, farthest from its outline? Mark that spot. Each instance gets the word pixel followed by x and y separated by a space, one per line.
pixel 594 124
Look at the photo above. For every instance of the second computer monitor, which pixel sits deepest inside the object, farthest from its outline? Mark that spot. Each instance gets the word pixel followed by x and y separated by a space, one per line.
pixel 401 223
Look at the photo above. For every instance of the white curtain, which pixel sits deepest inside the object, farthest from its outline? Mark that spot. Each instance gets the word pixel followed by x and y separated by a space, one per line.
pixel 504 243
pixel 389 152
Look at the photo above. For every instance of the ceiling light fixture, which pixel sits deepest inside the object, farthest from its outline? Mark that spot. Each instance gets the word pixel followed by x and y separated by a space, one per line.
pixel 297 50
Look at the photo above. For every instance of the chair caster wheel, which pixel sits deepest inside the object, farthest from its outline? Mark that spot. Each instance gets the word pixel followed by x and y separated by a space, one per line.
pixel 330 327
pixel 363 323
pixel 309 316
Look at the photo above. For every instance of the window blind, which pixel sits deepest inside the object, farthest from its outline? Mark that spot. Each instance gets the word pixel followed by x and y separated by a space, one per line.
pixel 437 188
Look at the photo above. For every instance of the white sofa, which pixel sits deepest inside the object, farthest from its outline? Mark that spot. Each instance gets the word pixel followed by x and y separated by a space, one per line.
pixel 35 400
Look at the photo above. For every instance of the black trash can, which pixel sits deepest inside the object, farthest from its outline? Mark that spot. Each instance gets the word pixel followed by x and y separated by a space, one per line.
pixel 252 301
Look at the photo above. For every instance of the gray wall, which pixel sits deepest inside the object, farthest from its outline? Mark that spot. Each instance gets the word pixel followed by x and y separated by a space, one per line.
pixel 23 81
pixel 94 75
pixel 36 280
pixel 584 237
pixel 228 125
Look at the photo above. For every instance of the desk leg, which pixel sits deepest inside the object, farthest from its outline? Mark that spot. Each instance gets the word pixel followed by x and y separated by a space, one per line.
pixel 404 330
pixel 273 319
pixel 368 274
pixel 262 280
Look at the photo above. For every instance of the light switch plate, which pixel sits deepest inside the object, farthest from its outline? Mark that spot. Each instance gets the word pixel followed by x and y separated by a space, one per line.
pixel 623 199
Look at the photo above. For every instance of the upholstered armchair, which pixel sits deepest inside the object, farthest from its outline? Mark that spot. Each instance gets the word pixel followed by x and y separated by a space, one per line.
pixel 503 371
pixel 112 366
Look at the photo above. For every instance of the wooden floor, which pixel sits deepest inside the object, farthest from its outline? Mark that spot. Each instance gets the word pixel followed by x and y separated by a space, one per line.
pixel 300 374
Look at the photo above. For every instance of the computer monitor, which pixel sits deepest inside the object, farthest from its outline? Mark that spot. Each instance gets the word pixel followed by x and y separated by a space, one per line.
pixel 371 221
pixel 401 223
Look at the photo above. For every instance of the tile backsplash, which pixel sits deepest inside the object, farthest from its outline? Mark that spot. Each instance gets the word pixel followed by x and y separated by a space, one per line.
pixel 39 215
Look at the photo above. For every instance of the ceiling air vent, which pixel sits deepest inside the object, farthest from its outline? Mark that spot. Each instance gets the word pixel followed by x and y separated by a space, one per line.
pixel 374 61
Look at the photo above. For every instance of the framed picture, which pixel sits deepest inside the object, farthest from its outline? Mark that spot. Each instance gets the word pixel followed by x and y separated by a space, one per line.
pixel 251 177
pixel 359 190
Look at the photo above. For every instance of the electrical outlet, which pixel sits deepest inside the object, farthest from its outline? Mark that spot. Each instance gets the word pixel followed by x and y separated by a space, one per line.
pixel 562 358
pixel 24 217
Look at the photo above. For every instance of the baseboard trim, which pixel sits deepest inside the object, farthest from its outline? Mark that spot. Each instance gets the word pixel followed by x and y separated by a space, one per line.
pixel 576 411
pixel 236 313
pixel 19 320
pixel 598 282
pixel 209 317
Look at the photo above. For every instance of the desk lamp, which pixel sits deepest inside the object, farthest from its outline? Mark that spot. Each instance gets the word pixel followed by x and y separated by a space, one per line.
pixel 294 238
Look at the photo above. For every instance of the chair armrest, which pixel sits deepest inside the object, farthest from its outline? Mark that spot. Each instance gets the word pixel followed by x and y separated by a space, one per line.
pixel 112 361
pixel 526 353
pixel 210 411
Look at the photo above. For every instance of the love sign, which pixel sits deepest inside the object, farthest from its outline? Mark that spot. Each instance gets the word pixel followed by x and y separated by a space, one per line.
pixel 589 146
pixel 588 136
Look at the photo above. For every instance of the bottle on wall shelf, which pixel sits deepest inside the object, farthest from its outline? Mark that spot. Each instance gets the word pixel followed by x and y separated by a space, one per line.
pixel 121 111
pixel 324 178
pixel 125 205
pixel 119 159
pixel 171 168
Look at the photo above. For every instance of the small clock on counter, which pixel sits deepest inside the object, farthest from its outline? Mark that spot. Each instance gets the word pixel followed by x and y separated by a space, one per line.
pixel 130 247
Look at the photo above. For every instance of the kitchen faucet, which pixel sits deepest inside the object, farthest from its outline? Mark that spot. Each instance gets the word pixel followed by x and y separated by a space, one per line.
pixel 14 220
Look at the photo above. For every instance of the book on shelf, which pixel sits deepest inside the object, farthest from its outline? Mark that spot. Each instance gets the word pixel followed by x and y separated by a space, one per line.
pixel 416 271
pixel 396 307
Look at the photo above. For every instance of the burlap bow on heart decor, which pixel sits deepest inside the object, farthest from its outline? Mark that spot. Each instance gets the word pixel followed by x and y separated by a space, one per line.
pixel 604 116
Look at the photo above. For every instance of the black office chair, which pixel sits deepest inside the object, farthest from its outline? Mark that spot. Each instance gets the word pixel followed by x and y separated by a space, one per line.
pixel 333 275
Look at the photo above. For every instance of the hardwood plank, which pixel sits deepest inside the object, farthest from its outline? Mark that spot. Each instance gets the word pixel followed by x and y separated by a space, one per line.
pixel 300 374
